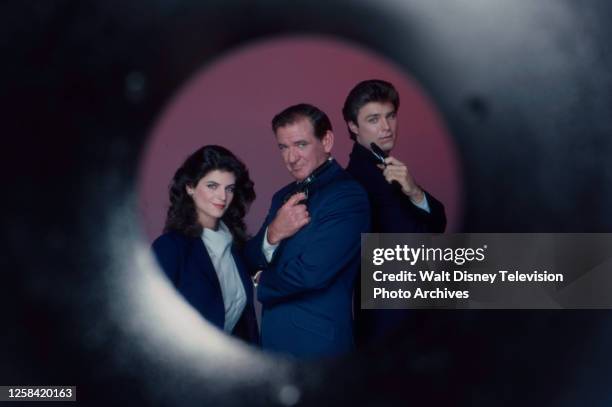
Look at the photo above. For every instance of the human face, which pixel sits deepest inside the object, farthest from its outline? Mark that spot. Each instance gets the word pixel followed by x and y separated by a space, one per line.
pixel 212 196
pixel 376 123
pixel 301 150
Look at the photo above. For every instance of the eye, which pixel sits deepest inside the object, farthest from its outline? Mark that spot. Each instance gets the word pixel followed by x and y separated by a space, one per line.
pixel 302 144
pixel 212 186
pixel 230 188
pixel 391 115
pixel 373 120
pixel 282 147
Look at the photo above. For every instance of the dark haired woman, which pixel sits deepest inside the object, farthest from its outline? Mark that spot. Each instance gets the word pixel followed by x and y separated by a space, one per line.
pixel 199 250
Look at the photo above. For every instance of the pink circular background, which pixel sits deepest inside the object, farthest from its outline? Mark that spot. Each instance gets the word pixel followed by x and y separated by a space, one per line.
pixel 232 101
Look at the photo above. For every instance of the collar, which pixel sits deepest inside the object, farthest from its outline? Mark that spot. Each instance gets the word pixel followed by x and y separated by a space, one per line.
pixel 217 240
pixel 320 170
pixel 361 154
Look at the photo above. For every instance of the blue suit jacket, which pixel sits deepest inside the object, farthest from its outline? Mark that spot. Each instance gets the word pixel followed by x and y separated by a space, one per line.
pixel 187 264
pixel 306 290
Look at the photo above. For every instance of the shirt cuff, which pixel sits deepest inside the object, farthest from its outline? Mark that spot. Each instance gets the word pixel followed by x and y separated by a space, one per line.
pixel 268 249
pixel 423 204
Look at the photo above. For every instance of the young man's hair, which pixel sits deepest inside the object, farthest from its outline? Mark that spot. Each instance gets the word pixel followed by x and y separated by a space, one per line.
pixel 373 90
pixel 319 120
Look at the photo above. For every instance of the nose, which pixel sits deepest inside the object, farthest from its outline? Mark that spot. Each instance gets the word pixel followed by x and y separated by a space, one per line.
pixel 221 194
pixel 385 124
pixel 292 156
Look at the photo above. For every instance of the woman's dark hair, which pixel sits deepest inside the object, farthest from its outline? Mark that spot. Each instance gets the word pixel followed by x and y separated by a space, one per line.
pixel 182 216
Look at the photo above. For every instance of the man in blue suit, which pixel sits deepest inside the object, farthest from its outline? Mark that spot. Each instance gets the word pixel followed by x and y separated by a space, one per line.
pixel 308 247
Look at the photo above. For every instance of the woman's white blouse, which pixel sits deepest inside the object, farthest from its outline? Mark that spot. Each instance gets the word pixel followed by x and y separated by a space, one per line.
pixel 218 243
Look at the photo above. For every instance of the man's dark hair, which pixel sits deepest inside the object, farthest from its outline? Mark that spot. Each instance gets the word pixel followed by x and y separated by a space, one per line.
pixel 319 120
pixel 373 90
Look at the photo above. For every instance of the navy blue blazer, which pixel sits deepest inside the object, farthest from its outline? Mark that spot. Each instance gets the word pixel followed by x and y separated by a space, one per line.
pixel 392 212
pixel 187 264
pixel 306 289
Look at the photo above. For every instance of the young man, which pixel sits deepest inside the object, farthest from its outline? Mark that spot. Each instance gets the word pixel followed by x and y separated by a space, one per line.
pixel 308 246
pixel 398 203
pixel 370 111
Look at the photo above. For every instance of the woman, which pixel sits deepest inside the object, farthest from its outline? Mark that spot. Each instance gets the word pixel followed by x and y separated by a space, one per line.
pixel 199 250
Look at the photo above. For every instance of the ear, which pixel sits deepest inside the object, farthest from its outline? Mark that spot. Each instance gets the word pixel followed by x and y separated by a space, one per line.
pixel 190 190
pixel 328 141
pixel 353 127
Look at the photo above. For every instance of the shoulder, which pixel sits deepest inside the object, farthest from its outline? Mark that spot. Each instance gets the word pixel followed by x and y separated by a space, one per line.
pixel 344 180
pixel 344 186
pixel 169 241
pixel 364 172
pixel 352 166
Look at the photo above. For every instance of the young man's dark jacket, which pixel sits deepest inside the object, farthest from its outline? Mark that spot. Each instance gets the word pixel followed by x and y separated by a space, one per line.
pixel 391 212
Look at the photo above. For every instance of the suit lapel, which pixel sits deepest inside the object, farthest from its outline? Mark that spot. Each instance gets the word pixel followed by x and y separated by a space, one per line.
pixel 204 264
pixel 244 276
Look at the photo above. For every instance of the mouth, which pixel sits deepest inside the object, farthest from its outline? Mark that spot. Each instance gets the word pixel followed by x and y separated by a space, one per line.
pixel 386 138
pixel 219 206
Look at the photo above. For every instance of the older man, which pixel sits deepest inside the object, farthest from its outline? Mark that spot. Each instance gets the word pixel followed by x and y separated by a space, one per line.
pixel 308 246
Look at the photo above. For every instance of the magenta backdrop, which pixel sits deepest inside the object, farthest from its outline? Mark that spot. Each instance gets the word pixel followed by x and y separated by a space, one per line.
pixel 231 102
